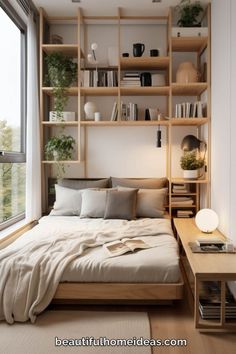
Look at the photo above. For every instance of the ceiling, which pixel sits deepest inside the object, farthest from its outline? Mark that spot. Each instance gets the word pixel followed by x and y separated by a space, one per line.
pixel 107 7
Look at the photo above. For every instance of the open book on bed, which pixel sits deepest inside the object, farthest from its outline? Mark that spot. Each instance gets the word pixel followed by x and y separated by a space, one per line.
pixel 117 248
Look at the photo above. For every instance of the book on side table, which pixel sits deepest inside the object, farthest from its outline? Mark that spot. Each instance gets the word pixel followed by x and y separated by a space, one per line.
pixel 117 248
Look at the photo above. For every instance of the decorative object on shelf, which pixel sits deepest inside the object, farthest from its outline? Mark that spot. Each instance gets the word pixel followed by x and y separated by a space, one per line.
pixel 62 72
pixel 191 162
pixel 97 116
pixel 146 79
pixel 159 137
pixel 147 114
pixel 154 52
pixel 66 116
pixel 138 49
pixel 92 59
pixel 125 55
pixel 207 220
pixel 189 13
pixel 186 73
pixel 191 165
pixel 191 142
pixel 90 108
pixel 113 56
pixel 59 148
pixel 158 80
pixel 56 39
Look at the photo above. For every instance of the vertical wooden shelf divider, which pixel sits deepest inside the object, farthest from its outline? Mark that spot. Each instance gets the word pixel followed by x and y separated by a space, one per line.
pixel 169 163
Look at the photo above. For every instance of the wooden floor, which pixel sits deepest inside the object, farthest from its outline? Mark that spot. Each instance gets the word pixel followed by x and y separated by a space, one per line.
pixel 175 322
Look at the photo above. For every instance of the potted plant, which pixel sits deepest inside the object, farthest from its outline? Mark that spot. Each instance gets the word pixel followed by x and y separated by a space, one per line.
pixel 189 20
pixel 191 164
pixel 189 13
pixel 62 72
pixel 59 147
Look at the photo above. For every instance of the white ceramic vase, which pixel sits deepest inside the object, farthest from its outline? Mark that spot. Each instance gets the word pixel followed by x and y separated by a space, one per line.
pixel 186 73
pixel 89 109
pixel 190 174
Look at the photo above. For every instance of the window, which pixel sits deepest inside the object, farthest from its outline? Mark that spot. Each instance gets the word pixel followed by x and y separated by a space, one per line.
pixel 12 115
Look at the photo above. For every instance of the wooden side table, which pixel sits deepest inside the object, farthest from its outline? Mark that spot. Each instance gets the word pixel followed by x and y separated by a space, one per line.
pixel 220 267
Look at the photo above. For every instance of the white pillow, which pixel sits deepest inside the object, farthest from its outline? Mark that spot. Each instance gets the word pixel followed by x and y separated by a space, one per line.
pixel 150 202
pixel 68 201
pixel 93 203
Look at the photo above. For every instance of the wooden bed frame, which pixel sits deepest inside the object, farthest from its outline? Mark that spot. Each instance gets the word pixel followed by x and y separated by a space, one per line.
pixel 120 291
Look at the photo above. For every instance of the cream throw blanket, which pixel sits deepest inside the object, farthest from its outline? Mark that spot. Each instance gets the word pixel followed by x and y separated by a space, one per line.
pixel 29 275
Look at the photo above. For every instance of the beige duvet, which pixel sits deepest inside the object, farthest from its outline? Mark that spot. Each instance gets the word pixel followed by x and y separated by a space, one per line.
pixel 32 267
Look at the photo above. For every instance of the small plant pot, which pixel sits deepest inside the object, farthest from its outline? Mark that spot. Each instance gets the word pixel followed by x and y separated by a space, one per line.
pixel 55 155
pixel 190 174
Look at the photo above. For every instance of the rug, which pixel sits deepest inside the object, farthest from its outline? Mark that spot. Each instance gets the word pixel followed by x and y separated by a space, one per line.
pixel 65 331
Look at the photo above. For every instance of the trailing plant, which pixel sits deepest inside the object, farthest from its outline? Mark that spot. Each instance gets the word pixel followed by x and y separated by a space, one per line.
pixel 190 161
pixel 59 148
pixel 189 13
pixel 62 72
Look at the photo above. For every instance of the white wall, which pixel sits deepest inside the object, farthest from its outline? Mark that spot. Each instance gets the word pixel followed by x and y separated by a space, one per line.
pixel 224 114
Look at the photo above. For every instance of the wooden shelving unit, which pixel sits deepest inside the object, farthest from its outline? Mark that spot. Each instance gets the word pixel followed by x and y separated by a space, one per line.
pixel 170 92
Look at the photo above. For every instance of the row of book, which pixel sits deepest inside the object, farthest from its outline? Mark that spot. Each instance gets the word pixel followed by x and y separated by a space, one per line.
pixel 129 111
pixel 210 301
pixel 131 79
pixel 98 78
pixel 190 110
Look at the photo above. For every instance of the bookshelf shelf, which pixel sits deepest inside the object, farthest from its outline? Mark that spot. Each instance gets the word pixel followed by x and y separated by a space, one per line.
pixel 189 121
pixel 99 91
pixel 145 91
pixel 71 91
pixel 149 63
pixel 52 124
pixel 182 180
pixel 193 89
pixel 137 123
pixel 70 50
pixel 189 44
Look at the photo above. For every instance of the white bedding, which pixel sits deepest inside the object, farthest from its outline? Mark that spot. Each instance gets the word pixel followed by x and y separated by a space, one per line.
pixel 69 248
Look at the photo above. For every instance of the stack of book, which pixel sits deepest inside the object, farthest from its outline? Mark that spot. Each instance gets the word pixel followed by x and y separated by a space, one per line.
pixel 100 78
pixel 181 201
pixel 189 110
pixel 184 213
pixel 180 188
pixel 129 111
pixel 131 79
pixel 210 301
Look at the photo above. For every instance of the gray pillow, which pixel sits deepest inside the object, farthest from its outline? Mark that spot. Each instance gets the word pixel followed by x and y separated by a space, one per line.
pixel 68 201
pixel 121 205
pixel 148 183
pixel 83 184
pixel 150 202
pixel 93 203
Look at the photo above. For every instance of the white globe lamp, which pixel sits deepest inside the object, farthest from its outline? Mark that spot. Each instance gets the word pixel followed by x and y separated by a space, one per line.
pixel 207 220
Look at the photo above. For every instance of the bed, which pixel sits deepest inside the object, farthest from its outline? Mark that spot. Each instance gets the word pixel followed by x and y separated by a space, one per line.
pixel 63 258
